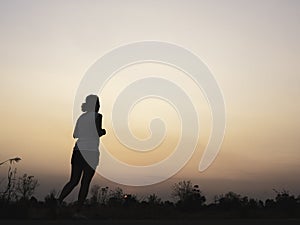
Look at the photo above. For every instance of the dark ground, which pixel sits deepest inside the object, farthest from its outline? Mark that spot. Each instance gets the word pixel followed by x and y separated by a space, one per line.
pixel 154 222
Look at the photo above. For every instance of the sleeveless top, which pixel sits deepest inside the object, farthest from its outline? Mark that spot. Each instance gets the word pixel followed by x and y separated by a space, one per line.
pixel 87 131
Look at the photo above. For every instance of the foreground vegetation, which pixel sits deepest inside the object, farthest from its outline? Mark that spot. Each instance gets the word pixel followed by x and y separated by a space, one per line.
pixel 17 201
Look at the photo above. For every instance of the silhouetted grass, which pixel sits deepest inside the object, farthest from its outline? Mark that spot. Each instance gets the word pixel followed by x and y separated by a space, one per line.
pixel 107 204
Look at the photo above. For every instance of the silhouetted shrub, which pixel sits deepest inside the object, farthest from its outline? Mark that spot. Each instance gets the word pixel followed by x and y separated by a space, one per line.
pixel 189 196
pixel 26 186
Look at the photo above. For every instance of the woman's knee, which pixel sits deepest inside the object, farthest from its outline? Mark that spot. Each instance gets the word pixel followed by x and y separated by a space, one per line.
pixel 74 182
pixel 87 178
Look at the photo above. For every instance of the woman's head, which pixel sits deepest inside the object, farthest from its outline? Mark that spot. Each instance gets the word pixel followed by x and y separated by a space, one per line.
pixel 91 104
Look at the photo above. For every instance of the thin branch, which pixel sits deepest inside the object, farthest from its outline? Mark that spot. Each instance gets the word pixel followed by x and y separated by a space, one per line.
pixel 11 161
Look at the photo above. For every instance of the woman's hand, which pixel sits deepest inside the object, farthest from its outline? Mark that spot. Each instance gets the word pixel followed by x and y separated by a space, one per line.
pixel 103 132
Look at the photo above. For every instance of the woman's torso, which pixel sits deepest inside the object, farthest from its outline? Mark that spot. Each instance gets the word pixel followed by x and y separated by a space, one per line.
pixel 86 132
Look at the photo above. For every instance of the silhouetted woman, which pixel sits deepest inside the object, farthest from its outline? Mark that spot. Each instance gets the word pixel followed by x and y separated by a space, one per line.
pixel 85 157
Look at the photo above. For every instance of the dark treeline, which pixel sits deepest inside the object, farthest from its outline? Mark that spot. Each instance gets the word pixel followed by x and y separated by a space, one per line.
pixel 17 201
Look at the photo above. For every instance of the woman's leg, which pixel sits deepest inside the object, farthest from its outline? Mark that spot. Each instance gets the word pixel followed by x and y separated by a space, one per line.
pixel 76 172
pixel 88 174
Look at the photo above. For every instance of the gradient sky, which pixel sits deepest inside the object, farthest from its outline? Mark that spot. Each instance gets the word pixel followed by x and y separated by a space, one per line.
pixel 251 47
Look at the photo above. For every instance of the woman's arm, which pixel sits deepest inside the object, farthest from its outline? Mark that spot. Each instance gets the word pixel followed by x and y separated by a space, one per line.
pixel 75 133
pixel 76 129
pixel 100 131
